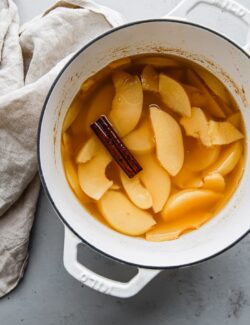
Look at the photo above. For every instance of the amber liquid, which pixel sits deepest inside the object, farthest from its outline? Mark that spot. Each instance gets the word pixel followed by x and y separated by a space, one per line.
pixel 92 101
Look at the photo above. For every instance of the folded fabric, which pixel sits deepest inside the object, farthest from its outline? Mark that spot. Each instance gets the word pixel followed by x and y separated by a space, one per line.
pixel 30 59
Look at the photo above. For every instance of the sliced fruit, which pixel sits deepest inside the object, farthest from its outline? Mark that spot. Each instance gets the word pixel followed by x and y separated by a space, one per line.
pixel 235 119
pixel 189 201
pixel 119 77
pixel 173 229
pixel 159 62
pixel 173 95
pixel 223 133
pixel 67 142
pixel 187 179
pixel 72 113
pixel 137 193
pixel 90 84
pixel 169 142
pixel 127 104
pixel 196 96
pixel 227 160
pixel 88 150
pixel 212 105
pixel 198 157
pixel 150 79
pixel 72 177
pixel 156 179
pixel 120 63
pixel 196 125
pixel 141 140
pixel 123 215
pixel 86 85
pixel 214 182
pixel 209 132
pixel 214 84
pixel 234 179
pixel 92 177
pixel 101 103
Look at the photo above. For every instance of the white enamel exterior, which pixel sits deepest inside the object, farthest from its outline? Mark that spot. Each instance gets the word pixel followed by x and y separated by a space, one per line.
pixel 170 37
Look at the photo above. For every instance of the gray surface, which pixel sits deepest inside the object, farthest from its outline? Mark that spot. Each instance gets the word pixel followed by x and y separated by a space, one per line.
pixel 215 292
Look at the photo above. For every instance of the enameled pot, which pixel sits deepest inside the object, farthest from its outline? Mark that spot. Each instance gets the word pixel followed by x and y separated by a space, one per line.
pixel 222 57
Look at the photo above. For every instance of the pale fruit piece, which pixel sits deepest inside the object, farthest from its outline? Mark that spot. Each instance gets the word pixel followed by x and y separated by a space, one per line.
pixel 189 201
pixel 89 84
pixel 123 215
pixel 86 85
pixel 101 103
pixel 119 77
pixel 223 133
pixel 174 95
pixel 227 160
pixel 72 177
pixel 159 62
pixel 214 182
pixel 213 107
pixel 92 177
pixel 173 229
pixel 127 104
pixel 187 179
pixel 200 157
pixel 169 142
pixel 72 113
pixel 235 119
pixel 209 132
pixel 150 79
pixel 120 63
pixel 214 84
pixel 156 179
pixel 196 97
pixel 141 140
pixel 88 150
pixel 235 177
pixel 137 193
pixel 196 126
pixel 233 181
pixel 67 142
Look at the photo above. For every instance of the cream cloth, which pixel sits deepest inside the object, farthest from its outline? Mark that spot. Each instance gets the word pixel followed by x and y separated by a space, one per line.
pixel 30 59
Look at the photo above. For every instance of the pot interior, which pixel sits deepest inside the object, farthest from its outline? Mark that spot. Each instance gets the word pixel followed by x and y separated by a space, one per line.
pixel 228 62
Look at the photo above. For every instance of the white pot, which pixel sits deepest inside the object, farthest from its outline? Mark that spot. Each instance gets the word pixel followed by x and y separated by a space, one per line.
pixel 229 63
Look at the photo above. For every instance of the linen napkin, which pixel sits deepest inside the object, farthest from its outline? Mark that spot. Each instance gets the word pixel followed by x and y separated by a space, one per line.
pixel 30 59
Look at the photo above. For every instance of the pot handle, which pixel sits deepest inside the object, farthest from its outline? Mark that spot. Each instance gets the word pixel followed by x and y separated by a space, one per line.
pixel 186 6
pixel 96 281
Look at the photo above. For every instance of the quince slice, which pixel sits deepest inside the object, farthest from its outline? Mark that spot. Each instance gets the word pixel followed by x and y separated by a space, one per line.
pixel 137 193
pixel 227 160
pixel 127 103
pixel 140 140
pixel 174 95
pixel 150 79
pixel 175 228
pixel 156 180
pixel 123 215
pixel 189 201
pixel 169 142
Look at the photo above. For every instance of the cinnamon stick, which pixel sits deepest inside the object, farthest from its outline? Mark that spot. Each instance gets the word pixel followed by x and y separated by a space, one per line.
pixel 113 143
